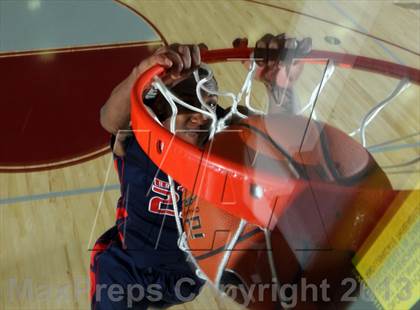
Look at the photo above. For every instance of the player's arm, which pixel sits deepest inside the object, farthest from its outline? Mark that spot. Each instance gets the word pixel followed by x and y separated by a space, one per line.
pixel 180 60
pixel 115 114
pixel 277 70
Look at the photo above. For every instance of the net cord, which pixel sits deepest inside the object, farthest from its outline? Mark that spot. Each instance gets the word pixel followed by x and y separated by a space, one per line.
pixel 236 99
pixel 208 111
pixel 170 97
pixel 401 87
pixel 318 89
pixel 218 125
pixel 372 113
pixel 228 252
pixel 270 255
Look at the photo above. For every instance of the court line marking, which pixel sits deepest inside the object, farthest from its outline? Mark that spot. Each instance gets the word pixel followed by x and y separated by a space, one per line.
pixel 335 24
pixel 101 199
pixel 117 186
pixel 59 194
pixel 112 187
pixel 347 15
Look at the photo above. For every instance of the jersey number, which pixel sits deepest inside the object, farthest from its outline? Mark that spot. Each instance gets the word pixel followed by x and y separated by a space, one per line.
pixel 162 205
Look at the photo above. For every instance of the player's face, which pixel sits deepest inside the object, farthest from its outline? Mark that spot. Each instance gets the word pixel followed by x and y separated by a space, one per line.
pixel 192 127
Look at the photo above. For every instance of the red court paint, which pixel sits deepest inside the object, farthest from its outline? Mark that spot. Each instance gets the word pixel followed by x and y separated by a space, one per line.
pixel 50 103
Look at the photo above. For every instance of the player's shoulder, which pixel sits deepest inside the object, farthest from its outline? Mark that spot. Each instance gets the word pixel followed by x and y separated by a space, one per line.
pixel 126 146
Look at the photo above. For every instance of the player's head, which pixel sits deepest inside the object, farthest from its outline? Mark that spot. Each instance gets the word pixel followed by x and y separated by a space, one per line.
pixel 191 126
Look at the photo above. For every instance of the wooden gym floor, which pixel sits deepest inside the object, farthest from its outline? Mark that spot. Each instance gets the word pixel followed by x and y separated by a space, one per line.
pixel 51 218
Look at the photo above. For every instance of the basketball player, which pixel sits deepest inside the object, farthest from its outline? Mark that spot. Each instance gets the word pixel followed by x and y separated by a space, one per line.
pixel 139 257
pixel 137 263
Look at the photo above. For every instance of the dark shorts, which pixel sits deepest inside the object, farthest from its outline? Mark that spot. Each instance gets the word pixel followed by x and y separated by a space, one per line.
pixel 118 281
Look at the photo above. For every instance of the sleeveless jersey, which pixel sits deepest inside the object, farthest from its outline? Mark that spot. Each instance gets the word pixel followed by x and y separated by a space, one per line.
pixel 145 215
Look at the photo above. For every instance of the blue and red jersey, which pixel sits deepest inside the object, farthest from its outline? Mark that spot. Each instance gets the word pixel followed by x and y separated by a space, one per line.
pixel 145 215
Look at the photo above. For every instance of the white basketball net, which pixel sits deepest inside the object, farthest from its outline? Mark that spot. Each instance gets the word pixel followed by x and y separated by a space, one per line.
pixel 218 125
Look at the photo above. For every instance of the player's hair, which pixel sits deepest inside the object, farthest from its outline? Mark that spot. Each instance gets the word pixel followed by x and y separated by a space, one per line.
pixel 185 90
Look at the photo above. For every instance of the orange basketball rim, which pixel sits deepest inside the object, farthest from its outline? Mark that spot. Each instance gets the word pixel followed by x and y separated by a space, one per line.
pixel 224 173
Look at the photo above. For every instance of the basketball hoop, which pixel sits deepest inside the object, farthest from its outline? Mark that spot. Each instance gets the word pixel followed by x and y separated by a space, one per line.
pixel 253 188
pixel 250 200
